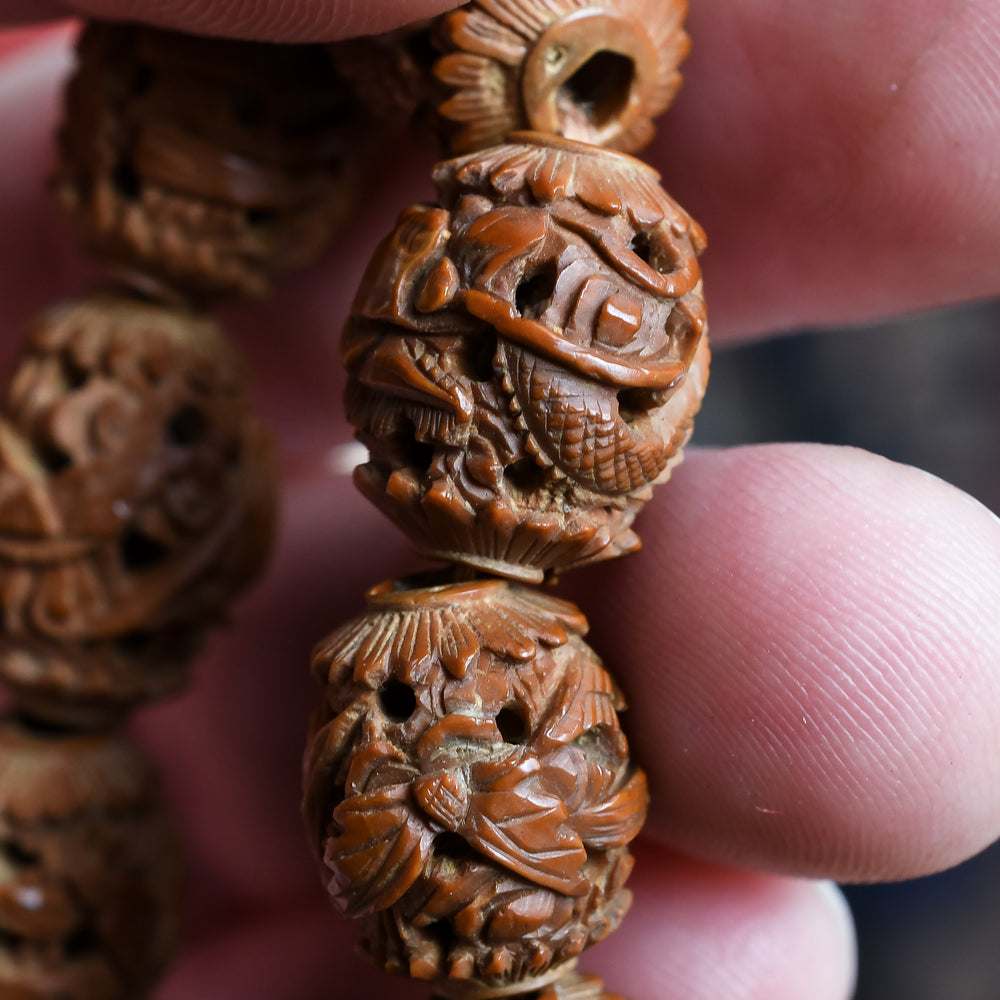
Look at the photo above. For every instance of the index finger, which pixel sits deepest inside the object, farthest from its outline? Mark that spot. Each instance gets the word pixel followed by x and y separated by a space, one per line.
pixel 272 20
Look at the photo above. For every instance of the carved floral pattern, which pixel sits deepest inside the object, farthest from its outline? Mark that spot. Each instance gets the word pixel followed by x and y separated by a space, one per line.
pixel 468 784
pixel 526 359
pixel 136 497
pixel 597 71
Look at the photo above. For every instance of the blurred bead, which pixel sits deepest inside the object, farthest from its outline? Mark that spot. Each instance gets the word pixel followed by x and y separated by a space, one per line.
pixel 89 868
pixel 390 74
pixel 201 167
pixel 136 498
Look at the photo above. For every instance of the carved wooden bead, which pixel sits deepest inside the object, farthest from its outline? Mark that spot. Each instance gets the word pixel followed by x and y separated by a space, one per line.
pixel 597 71
pixel 468 786
pixel 89 869
pixel 526 358
pixel 136 497
pixel 201 167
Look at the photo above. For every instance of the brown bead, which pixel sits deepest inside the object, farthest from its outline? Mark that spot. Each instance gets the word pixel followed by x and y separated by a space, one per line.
pixel 89 868
pixel 200 167
pixel 468 785
pixel 597 71
pixel 390 74
pixel 526 360
pixel 136 497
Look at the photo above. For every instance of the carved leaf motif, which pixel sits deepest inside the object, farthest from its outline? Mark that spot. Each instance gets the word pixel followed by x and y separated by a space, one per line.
pixel 551 170
pixel 380 852
pixel 587 697
pixel 522 827
pixel 616 820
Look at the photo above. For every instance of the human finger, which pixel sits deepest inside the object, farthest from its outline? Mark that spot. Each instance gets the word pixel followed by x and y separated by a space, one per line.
pixel 699 932
pixel 809 642
pixel 273 20
pixel 841 157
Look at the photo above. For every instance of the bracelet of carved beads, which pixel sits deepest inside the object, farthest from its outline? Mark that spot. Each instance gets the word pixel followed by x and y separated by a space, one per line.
pixel 525 357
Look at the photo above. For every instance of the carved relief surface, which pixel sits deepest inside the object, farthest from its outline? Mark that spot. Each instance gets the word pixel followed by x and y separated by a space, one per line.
pixel 136 497
pixel 89 869
pixel 200 167
pixel 526 358
pixel 468 786
pixel 597 71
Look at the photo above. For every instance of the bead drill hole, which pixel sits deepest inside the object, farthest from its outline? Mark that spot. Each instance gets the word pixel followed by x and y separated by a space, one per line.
pixel 126 180
pixel 453 847
pixel 140 551
pixel 187 427
pixel 534 294
pixel 600 88
pixel 525 475
pixel 398 701
pixel 512 725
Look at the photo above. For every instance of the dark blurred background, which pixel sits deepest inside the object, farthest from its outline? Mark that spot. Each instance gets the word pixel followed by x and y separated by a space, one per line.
pixel 924 391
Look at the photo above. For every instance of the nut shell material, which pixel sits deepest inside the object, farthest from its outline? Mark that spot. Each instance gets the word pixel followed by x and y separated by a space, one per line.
pixel 526 357
pixel 136 499
pixel 468 785
pixel 597 71
pixel 89 868
pixel 201 167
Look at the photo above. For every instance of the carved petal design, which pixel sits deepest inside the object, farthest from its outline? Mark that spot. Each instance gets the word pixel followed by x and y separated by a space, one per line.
pixel 524 828
pixel 515 63
pixel 410 633
pixel 540 169
pixel 587 697
pixel 615 821
pixel 381 850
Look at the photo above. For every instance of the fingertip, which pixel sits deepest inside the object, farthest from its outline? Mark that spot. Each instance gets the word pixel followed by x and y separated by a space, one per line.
pixel 810 646
pixel 697 932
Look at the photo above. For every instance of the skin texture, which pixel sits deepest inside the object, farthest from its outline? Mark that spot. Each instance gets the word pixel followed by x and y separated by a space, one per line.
pixel 809 639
